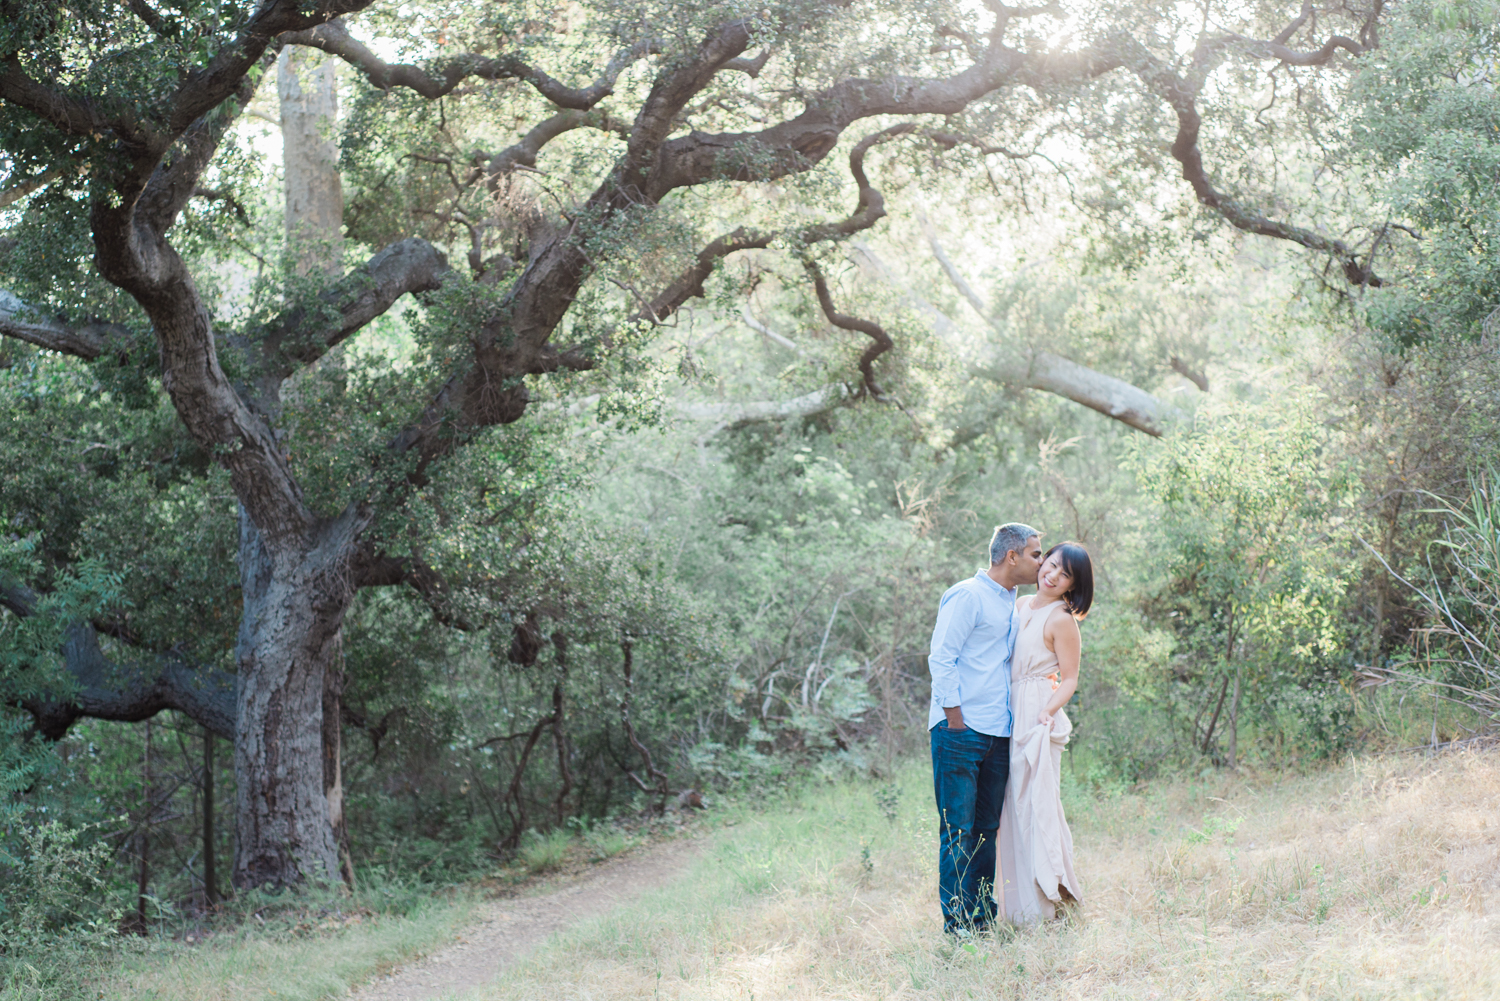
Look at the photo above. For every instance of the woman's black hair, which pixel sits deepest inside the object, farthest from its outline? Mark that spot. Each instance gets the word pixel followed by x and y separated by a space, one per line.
pixel 1075 560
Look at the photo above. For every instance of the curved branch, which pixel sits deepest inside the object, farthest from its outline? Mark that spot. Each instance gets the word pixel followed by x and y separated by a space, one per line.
pixel 869 328
pixel 689 284
pixel 16 192
pixel 1276 48
pixel 175 181
pixel 122 692
pixel 524 153
pixel 65 112
pixel 1181 95
pixel 749 67
pixel 380 570
pixel 670 94
pixel 207 88
pixel 799 143
pixel 732 415
pixel 153 20
pixel 129 693
pixel 334 38
pixel 869 209
pixel 1285 34
pixel 305 334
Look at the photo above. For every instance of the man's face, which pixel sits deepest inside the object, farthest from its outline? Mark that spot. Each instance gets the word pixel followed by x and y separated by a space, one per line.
pixel 1020 566
pixel 1029 561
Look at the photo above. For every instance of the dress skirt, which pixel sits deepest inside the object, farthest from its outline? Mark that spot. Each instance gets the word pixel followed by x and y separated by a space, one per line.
pixel 1036 847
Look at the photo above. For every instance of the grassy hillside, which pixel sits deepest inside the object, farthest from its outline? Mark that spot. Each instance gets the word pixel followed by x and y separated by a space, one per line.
pixel 1379 878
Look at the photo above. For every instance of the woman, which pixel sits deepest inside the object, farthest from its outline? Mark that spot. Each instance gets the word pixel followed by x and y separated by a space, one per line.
pixel 1036 848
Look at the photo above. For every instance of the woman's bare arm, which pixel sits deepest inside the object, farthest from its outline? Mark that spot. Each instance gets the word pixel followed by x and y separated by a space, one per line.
pixel 1062 636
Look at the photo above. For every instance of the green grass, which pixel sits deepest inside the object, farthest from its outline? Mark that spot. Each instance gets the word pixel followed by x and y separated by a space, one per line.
pixel 1369 880
pixel 605 843
pixel 1332 885
pixel 541 853
pixel 308 961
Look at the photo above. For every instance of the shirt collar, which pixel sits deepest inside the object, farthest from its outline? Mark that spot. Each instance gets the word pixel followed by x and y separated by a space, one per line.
pixel 1008 592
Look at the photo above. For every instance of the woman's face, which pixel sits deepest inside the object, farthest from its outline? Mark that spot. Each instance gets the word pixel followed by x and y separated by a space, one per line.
pixel 1053 582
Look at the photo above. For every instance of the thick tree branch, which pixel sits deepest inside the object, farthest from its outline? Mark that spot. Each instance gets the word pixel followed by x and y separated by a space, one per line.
pixel 1036 369
pixel 1189 373
pixel 149 136
pixel 129 693
pixel 796 145
pixel 737 414
pixel 152 19
pixel 87 340
pixel 868 210
pixel 207 88
pixel 306 333
pixel 68 113
pixel 732 415
pixel 334 38
pixel 381 570
pixel 689 284
pixel 524 153
pixel 670 94
pixel 175 179
pixel 16 192
pixel 1276 48
pixel 122 692
pixel 957 279
pixel 749 67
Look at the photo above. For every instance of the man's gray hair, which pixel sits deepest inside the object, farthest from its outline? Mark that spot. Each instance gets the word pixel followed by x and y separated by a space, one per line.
pixel 1010 537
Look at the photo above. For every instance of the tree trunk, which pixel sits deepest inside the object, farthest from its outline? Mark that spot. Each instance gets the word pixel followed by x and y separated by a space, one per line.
pixel 295 597
pixel 1213 722
pixel 308 92
pixel 143 880
pixel 287 756
pixel 1234 718
pixel 210 850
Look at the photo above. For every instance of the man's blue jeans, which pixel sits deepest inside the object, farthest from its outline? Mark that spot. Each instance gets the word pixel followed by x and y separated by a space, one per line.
pixel 969 770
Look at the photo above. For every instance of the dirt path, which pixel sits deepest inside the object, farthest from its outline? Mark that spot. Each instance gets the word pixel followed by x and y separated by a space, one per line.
pixel 510 928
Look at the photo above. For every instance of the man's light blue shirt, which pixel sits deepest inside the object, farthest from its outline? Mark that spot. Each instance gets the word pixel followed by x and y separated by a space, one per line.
pixel 972 645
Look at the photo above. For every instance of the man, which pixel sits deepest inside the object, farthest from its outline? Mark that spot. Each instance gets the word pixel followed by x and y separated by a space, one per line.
pixel 970 723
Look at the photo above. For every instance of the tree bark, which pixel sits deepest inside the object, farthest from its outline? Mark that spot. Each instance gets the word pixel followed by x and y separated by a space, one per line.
pixel 307 87
pixel 559 733
pixel 210 851
pixel 295 599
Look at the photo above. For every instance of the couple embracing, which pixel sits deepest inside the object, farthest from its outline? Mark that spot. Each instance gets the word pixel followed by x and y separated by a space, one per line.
pixel 1002 670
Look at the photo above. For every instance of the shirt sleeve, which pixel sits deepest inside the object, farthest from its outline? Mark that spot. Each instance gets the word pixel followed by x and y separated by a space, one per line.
pixel 957 617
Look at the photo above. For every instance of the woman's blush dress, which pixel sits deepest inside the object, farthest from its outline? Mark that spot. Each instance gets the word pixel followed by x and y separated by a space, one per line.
pixel 1036 847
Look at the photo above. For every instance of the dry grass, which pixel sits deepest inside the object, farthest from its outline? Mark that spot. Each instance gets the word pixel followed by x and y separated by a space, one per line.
pixel 320 962
pixel 1377 879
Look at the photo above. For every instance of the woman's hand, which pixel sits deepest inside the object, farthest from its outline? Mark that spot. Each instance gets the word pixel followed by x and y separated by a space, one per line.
pixel 1044 718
